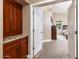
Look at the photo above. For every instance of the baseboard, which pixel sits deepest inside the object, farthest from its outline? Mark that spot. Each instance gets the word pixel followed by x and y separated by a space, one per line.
pixel 28 56
pixel 76 57
pixel 37 54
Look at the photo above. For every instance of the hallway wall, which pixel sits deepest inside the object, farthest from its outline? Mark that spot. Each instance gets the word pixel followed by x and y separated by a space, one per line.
pixel 47 25
pixel 26 19
pixel 60 16
pixel 71 30
pixel 1 28
pixel 26 23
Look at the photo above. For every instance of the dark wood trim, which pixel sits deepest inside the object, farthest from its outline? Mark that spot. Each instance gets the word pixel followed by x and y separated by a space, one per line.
pixel 14 2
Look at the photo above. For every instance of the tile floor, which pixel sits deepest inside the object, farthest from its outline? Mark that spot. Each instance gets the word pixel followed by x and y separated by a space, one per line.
pixel 54 48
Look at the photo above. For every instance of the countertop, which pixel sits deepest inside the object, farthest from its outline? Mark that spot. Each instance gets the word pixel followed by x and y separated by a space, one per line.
pixel 12 38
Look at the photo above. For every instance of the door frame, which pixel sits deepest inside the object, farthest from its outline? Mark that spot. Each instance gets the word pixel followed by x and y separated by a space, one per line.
pixel 39 4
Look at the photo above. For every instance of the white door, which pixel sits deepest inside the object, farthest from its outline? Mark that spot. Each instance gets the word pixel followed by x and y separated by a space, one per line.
pixel 38 29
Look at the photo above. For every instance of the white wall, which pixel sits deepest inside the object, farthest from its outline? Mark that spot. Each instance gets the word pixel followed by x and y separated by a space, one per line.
pixel 26 22
pixel 26 19
pixel 63 17
pixel 47 25
pixel 60 17
pixel 35 1
pixel 1 28
pixel 71 31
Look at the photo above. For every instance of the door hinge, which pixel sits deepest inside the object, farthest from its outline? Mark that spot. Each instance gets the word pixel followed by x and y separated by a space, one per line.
pixel 76 32
pixel 33 48
pixel 33 30
pixel 33 11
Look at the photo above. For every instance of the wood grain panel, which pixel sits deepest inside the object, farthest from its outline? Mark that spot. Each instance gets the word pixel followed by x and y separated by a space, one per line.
pixel 16 49
pixel 12 23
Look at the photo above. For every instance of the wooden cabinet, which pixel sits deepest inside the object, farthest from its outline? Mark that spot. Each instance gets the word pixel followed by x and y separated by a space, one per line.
pixel 10 49
pixel 53 33
pixel 7 17
pixel 10 53
pixel 17 20
pixel 24 48
pixel 12 15
pixel 16 49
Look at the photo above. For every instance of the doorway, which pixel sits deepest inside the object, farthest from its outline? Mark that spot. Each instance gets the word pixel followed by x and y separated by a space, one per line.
pixel 41 32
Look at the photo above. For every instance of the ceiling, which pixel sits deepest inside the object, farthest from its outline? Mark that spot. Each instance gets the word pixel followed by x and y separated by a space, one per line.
pixel 22 2
pixel 58 8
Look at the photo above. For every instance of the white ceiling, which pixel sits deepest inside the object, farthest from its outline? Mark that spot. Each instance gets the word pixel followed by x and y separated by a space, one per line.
pixel 58 8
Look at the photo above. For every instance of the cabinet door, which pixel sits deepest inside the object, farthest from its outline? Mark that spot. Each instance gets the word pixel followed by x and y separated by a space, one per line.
pixel 11 53
pixel 24 47
pixel 23 50
pixel 12 18
pixel 11 49
pixel 7 13
pixel 17 20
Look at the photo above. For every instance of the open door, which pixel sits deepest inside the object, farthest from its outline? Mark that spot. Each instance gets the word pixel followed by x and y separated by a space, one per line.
pixel 38 30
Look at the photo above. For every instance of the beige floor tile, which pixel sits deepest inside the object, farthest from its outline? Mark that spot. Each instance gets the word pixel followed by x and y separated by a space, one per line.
pixel 55 48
